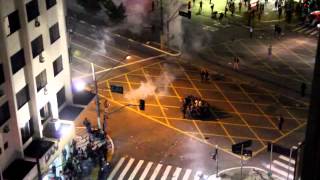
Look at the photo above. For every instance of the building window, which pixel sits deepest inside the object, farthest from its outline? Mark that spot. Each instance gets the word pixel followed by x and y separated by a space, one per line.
pixel 54 33
pixel 27 131
pixel 1 74
pixel 6 145
pixel 37 46
pixel 50 3
pixel 41 80
pixel 12 23
pixel 57 66
pixel 4 113
pixel 45 113
pixel 23 96
pixel 32 10
pixel 61 96
pixel 17 61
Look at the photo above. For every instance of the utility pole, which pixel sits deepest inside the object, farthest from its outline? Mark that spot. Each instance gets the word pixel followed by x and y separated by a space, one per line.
pixel 97 96
pixel 161 24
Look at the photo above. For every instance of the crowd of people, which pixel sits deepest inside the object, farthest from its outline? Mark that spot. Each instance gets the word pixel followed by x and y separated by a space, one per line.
pixel 194 107
pixel 91 151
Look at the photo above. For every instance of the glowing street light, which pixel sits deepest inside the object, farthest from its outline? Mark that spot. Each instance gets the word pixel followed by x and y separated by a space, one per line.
pixel 79 85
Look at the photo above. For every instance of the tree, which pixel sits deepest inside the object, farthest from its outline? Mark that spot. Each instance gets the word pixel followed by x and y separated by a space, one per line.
pixel 114 12
pixel 90 5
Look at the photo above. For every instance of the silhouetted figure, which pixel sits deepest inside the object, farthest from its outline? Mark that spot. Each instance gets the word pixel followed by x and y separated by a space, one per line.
pixel 200 8
pixel 240 6
pixel 251 32
pixel 236 62
pixel 206 75
pixel 202 74
pixel 212 6
pixel 54 170
pixel 280 124
pixel 189 4
pixel 303 89
pixel 152 6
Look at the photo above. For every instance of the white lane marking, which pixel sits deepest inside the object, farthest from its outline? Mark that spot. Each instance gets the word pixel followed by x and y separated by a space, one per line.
pixel 96 52
pixel 285 166
pixel 94 26
pixel 314 32
pixel 116 168
pixel 155 172
pixel 292 161
pixel 125 170
pixel 298 28
pixel 94 40
pixel 187 174
pixel 166 173
pixel 176 173
pixel 146 170
pixel 136 169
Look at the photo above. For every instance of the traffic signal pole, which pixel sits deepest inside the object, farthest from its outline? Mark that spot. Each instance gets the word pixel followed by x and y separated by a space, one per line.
pixel 161 26
pixel 97 96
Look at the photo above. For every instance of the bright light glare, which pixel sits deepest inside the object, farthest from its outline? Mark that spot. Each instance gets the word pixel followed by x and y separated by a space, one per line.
pixel 65 130
pixel 128 57
pixel 79 85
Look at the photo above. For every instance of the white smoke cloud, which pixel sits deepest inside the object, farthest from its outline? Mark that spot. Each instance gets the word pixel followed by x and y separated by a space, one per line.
pixel 151 87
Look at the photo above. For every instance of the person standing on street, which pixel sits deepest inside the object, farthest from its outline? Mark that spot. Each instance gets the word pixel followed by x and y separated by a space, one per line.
pixel 200 8
pixel 189 5
pixel 251 32
pixel 281 121
pixel 240 5
pixel 270 52
pixel 236 62
pixel 303 89
pixel 212 6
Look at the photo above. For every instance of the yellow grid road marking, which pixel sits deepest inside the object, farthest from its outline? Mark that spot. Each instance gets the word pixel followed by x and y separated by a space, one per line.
pixel 220 135
pixel 292 117
pixel 158 102
pixel 261 111
pixel 100 82
pixel 237 112
pixel 253 53
pixel 108 87
pixel 285 63
pixel 296 55
pixel 195 87
pixel 173 128
pixel 171 85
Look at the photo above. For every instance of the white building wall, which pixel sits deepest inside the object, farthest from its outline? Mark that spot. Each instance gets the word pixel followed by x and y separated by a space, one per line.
pixel 14 83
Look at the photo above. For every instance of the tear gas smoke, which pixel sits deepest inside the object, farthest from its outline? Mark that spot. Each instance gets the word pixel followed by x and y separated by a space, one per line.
pixel 158 86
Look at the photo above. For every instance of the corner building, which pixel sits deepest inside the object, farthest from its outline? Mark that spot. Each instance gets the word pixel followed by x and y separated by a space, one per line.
pixel 35 84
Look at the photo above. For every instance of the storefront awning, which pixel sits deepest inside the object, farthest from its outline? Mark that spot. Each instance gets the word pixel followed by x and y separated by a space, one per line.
pixel 18 169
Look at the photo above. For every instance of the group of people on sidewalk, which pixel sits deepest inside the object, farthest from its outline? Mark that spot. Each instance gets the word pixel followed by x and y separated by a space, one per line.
pixel 90 151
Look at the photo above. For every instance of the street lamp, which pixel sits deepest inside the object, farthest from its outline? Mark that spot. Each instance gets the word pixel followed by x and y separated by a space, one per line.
pixel 80 85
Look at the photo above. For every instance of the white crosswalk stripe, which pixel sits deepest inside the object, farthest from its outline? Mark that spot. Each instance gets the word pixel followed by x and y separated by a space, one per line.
pixel 281 166
pixel 310 31
pixel 133 169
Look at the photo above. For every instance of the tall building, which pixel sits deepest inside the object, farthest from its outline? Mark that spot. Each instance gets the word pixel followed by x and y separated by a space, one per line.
pixel 35 84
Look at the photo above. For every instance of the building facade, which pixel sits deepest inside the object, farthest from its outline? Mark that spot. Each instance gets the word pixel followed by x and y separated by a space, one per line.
pixel 34 72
